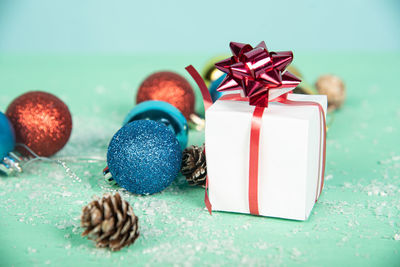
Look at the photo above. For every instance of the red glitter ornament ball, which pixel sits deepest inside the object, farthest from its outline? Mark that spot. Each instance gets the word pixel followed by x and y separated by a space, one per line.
pixel 168 87
pixel 41 121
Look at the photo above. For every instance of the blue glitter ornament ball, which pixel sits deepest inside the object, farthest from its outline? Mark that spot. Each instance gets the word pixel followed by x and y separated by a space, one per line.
pixel 7 136
pixel 144 157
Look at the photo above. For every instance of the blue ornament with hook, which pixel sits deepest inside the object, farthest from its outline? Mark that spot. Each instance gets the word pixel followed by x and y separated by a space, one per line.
pixel 9 162
pixel 162 112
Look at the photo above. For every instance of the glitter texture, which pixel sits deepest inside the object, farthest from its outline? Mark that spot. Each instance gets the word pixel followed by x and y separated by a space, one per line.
pixel 144 157
pixel 169 87
pixel 41 121
pixel 162 112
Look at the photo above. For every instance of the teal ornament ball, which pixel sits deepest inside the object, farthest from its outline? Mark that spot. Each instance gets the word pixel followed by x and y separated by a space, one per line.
pixel 144 157
pixel 213 88
pixel 7 136
pixel 162 112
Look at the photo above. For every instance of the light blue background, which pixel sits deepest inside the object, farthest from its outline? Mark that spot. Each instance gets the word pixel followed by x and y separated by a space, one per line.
pixel 196 26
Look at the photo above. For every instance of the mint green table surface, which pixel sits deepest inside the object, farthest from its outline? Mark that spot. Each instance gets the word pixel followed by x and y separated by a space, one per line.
pixel 355 223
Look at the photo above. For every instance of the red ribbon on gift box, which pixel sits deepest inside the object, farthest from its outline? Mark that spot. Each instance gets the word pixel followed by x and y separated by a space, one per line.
pixel 257 72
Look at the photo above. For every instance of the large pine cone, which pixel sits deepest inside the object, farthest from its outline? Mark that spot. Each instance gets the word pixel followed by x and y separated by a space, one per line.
pixel 110 222
pixel 194 166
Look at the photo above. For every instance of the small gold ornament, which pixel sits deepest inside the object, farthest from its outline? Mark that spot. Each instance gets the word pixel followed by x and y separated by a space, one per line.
pixel 334 88
pixel 210 73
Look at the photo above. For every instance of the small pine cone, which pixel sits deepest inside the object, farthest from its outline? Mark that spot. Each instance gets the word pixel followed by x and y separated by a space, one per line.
pixel 334 88
pixel 110 222
pixel 194 166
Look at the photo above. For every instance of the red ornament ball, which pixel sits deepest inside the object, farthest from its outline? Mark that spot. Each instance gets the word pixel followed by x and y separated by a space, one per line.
pixel 41 121
pixel 168 87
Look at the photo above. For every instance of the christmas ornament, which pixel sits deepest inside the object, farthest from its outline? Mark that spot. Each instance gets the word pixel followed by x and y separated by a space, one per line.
pixel 7 136
pixel 213 88
pixel 108 177
pixel 169 87
pixel 110 222
pixel 334 88
pixel 194 166
pixel 261 82
pixel 196 122
pixel 210 73
pixel 41 121
pixel 9 162
pixel 144 157
pixel 162 112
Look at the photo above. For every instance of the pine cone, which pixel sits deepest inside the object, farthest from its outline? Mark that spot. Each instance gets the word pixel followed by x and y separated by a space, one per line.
pixel 110 222
pixel 194 166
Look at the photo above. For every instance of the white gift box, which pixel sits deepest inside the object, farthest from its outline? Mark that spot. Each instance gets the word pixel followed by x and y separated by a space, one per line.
pixel 290 157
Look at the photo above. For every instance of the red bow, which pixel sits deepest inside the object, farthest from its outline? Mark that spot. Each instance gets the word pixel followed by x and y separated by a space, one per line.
pixel 257 71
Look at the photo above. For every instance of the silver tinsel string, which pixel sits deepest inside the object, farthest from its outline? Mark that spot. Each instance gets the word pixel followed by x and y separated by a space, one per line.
pixel 67 169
